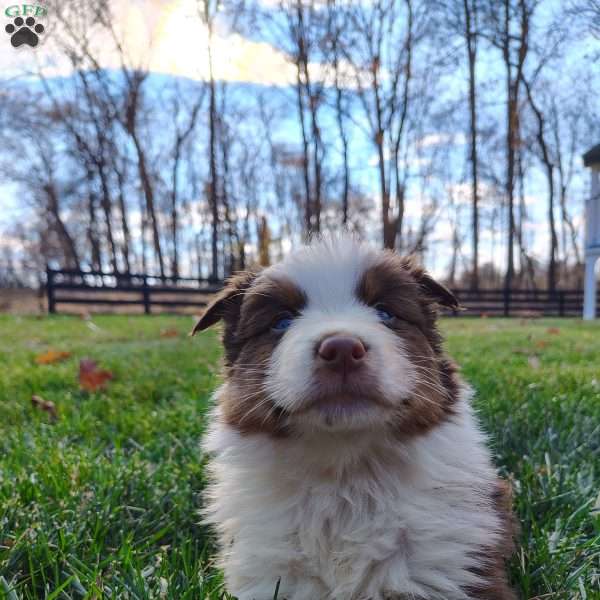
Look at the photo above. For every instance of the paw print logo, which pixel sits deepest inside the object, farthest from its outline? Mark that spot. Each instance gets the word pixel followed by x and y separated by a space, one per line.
pixel 24 32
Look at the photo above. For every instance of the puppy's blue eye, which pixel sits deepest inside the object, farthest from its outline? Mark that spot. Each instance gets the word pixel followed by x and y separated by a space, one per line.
pixel 283 323
pixel 383 315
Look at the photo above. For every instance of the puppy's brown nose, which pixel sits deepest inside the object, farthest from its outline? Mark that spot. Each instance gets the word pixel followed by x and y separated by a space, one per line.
pixel 342 352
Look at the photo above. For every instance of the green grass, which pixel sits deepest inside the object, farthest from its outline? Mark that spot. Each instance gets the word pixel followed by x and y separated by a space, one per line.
pixel 103 502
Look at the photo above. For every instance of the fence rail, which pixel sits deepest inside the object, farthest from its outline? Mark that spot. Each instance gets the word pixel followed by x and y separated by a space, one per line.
pixel 510 302
pixel 100 288
pixel 68 286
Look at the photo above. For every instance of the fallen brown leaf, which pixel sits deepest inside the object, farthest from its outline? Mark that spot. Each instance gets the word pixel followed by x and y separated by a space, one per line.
pixel 541 344
pixel 553 330
pixel 169 333
pixel 45 405
pixel 51 357
pixel 91 378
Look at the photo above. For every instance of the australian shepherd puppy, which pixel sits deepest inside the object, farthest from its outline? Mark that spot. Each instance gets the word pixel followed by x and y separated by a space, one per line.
pixel 347 463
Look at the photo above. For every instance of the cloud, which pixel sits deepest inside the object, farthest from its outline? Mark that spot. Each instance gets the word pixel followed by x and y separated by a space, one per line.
pixel 169 38
pixel 439 139
pixel 462 194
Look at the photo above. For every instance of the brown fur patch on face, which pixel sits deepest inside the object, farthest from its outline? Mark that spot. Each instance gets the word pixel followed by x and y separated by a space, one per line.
pixel 226 306
pixel 493 574
pixel 411 295
pixel 249 342
pixel 406 291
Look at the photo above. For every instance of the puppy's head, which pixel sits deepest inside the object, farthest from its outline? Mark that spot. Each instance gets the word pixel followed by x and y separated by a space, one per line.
pixel 337 337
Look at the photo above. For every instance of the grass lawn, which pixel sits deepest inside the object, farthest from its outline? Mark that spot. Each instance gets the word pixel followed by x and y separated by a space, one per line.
pixel 102 502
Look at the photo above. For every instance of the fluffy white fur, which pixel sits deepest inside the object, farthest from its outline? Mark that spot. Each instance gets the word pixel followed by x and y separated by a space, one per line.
pixel 317 512
pixel 311 513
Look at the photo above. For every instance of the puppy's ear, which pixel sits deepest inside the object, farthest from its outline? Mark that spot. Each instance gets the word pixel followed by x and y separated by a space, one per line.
pixel 431 288
pixel 440 293
pixel 226 305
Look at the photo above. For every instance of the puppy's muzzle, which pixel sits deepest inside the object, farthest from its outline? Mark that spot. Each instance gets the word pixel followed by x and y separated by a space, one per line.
pixel 341 354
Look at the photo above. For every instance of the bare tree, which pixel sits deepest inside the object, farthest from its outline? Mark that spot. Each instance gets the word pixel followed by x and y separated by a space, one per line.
pixel 38 172
pixel 363 136
pixel 207 10
pixel 335 31
pixel 566 154
pixel 462 19
pixel 470 13
pixel 544 154
pixel 383 80
pixel 305 36
pixel 90 128
pixel 509 30
pixel 182 135
pixel 589 12
pixel 125 104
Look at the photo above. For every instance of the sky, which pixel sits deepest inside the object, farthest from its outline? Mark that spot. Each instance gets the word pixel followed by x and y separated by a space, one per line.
pixel 167 36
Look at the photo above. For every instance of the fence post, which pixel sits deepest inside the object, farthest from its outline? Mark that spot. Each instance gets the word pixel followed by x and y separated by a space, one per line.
pixel 146 296
pixel 561 303
pixel 506 301
pixel 50 290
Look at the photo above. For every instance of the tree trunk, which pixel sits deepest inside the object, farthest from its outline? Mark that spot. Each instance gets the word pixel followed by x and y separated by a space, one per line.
pixel 317 151
pixel 92 232
pixel 513 127
pixel 144 227
pixel 527 268
pixel 66 241
pixel 549 168
pixel 106 203
pixel 230 216
pixel 149 197
pixel 174 215
pixel 471 39
pixel 510 189
pixel 305 156
pixel 180 138
pixel 344 140
pixel 124 223
pixel 213 194
pixel 389 230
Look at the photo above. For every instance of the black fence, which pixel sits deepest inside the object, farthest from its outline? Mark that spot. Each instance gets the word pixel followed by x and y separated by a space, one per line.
pixel 520 303
pixel 169 294
pixel 98 288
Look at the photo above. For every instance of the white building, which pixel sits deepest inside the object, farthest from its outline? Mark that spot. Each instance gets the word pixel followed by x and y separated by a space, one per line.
pixel 592 233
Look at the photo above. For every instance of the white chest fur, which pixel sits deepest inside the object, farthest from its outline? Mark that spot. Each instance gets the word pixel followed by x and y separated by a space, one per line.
pixel 355 517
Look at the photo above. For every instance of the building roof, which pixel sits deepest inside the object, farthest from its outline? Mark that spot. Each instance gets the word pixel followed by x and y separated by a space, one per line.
pixel 592 156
